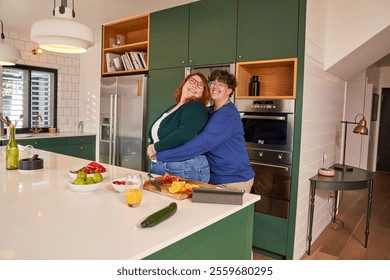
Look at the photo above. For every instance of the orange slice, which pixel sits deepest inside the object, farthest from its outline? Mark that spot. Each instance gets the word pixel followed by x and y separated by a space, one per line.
pixel 176 186
pixel 188 187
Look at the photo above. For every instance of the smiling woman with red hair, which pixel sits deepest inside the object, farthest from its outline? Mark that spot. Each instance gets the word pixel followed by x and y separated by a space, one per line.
pixel 177 125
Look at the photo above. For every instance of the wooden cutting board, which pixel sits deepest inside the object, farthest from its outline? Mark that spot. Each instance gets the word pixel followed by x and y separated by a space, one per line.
pixel 180 195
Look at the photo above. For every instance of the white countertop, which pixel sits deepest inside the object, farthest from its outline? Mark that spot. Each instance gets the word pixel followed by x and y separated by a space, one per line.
pixel 42 218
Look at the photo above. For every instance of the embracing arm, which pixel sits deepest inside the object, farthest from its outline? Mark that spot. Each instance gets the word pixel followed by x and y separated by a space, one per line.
pixel 193 117
pixel 216 131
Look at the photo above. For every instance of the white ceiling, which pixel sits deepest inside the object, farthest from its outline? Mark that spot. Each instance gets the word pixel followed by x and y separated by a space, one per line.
pixel 19 15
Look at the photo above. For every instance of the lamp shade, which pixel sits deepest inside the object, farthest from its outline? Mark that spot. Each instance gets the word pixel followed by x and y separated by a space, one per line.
pixel 361 128
pixel 9 55
pixel 62 33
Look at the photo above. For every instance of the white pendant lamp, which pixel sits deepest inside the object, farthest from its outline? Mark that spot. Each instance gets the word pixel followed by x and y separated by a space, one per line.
pixel 9 55
pixel 62 33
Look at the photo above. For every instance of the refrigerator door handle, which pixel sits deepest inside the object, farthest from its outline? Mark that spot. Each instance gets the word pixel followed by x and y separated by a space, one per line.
pixel 139 87
pixel 114 129
pixel 111 129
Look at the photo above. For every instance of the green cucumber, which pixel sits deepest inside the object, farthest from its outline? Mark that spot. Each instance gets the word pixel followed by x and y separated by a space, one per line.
pixel 159 216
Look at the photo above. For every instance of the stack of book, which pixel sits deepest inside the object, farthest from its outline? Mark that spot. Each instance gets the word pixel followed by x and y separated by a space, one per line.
pixel 130 61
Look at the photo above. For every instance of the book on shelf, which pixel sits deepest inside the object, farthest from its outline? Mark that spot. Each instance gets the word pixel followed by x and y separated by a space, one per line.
pixel 142 57
pixel 112 64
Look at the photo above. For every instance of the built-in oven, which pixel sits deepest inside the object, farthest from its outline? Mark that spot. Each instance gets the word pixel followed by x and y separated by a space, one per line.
pixel 268 131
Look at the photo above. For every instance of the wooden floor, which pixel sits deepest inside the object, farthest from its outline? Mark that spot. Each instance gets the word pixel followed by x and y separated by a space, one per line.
pixel 344 239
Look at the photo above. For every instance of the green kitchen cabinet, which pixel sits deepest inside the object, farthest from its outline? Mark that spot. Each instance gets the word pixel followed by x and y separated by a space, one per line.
pixel 200 33
pixel 81 147
pixel 267 29
pixel 168 39
pixel 77 146
pixel 213 31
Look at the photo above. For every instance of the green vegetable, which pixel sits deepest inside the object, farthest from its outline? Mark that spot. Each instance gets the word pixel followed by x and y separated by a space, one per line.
pixel 160 216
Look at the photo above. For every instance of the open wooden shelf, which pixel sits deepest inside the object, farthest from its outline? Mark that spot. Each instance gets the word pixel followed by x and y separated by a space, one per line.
pixel 277 78
pixel 136 31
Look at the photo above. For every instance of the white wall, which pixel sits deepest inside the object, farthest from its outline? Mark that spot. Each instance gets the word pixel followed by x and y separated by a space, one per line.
pixel 333 29
pixel 357 27
pixel 68 66
pixel 323 104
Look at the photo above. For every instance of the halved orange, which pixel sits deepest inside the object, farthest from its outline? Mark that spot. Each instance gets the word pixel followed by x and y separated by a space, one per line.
pixel 176 186
pixel 188 186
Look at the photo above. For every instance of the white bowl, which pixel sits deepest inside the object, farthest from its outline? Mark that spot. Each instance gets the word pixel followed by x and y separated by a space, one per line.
pixel 84 188
pixel 74 175
pixel 118 187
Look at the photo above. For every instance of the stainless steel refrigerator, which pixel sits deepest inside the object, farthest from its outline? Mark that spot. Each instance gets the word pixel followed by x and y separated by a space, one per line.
pixel 123 121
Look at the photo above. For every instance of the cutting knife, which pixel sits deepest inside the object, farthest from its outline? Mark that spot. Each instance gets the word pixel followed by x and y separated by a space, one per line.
pixel 154 182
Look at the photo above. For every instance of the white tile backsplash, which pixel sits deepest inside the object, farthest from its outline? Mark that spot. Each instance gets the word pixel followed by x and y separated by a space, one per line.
pixel 68 66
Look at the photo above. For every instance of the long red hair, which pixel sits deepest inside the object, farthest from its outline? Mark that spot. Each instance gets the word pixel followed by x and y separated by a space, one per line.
pixel 205 98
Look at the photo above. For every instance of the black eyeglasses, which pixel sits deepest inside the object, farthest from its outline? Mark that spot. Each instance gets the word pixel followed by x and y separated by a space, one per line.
pixel 195 82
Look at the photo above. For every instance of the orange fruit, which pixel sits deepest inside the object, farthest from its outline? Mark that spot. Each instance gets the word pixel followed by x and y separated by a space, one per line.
pixel 176 186
pixel 188 187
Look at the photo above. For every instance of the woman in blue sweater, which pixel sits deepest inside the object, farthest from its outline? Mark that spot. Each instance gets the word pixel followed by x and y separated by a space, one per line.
pixel 178 124
pixel 222 139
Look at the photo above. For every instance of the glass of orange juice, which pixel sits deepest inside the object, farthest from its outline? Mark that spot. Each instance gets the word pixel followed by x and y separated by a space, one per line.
pixel 134 188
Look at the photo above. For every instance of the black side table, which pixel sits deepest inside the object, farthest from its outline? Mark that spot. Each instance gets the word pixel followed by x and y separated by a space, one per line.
pixel 342 180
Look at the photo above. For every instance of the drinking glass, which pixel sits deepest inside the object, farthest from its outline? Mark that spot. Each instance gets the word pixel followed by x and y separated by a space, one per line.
pixel 134 188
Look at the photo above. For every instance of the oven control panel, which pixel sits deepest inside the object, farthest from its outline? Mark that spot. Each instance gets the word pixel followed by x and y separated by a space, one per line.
pixel 275 106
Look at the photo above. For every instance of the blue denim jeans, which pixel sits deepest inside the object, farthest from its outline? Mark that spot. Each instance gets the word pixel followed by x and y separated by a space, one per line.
pixel 196 168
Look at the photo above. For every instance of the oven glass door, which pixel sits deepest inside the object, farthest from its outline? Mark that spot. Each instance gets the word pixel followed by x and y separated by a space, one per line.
pixel 272 183
pixel 270 130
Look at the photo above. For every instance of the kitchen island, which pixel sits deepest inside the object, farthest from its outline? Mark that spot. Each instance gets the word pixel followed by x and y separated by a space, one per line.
pixel 41 218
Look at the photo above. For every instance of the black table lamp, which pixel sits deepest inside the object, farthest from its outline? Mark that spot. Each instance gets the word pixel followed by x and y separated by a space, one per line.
pixel 361 128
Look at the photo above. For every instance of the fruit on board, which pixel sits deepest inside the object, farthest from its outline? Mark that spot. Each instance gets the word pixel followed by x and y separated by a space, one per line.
pixel 176 186
pixel 170 178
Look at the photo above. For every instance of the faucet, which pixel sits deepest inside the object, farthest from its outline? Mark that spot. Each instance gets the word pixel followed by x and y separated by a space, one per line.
pixel 81 126
pixel 36 129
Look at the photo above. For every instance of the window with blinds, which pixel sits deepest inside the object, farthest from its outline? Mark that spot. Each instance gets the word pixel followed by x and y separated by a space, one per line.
pixel 29 96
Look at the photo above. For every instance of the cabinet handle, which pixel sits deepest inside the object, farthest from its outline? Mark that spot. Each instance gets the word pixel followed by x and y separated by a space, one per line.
pixel 240 56
pixel 183 61
pixel 81 148
pixel 139 88
pixel 190 60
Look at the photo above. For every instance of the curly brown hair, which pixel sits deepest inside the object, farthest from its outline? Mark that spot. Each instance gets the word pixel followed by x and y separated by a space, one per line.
pixel 224 77
pixel 205 98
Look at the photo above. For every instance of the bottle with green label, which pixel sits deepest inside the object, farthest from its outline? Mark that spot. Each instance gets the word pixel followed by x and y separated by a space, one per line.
pixel 12 151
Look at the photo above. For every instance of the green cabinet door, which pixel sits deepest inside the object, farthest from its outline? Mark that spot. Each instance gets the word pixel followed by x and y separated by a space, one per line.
pixel 267 29
pixel 195 34
pixel 213 30
pixel 78 146
pixel 81 147
pixel 168 40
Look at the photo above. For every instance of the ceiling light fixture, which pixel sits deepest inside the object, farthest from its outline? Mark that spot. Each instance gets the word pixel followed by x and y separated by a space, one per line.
pixel 9 55
pixel 62 33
